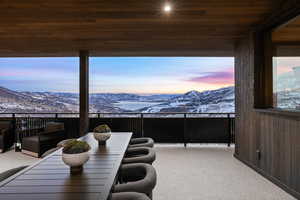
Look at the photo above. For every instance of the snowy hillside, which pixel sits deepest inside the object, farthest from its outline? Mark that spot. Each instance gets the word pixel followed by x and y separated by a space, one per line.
pixel 221 100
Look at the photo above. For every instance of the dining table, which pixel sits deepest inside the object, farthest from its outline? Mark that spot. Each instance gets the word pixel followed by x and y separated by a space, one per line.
pixel 50 178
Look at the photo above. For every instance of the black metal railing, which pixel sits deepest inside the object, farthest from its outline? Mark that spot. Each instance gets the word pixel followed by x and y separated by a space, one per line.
pixel 162 127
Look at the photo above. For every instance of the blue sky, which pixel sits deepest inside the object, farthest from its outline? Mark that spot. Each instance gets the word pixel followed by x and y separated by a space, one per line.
pixel 143 75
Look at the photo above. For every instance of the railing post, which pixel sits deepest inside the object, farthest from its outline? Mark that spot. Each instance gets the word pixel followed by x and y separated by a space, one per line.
pixel 14 122
pixel 56 115
pixel 17 140
pixel 233 130
pixel 229 130
pixel 142 124
pixel 184 130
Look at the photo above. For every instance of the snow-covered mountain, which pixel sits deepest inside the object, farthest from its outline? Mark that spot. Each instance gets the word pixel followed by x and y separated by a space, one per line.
pixel 12 101
pixel 289 99
pixel 221 100
pixel 287 89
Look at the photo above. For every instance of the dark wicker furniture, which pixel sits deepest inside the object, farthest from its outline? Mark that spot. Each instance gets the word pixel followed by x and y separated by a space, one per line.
pixel 47 139
pixel 6 135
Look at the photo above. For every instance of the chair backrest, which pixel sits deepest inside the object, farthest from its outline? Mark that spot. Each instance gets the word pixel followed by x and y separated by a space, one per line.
pixel 137 177
pixel 9 173
pixel 129 196
pixel 54 126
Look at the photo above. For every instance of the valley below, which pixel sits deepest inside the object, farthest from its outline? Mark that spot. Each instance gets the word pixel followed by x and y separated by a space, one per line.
pixel 213 101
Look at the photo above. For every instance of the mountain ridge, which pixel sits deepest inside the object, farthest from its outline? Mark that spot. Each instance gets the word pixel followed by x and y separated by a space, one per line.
pixel 192 101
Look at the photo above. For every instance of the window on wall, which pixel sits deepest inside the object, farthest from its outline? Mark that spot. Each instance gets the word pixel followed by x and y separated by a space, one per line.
pixel 161 84
pixel 286 66
pixel 39 85
pixel 286 79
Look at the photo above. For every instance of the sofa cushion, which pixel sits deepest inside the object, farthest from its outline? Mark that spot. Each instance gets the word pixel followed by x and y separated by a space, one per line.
pixel 5 124
pixel 2 131
pixel 1 141
pixel 43 138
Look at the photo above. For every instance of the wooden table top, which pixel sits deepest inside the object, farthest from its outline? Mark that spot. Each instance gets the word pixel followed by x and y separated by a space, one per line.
pixel 50 179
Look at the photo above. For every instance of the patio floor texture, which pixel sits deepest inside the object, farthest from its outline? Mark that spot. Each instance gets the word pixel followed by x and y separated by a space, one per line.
pixel 12 159
pixel 194 173
pixel 209 173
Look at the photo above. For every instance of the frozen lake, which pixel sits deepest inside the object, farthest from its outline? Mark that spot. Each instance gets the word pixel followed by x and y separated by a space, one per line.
pixel 134 105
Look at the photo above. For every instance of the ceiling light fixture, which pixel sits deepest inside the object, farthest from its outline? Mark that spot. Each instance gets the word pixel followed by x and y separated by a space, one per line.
pixel 167 8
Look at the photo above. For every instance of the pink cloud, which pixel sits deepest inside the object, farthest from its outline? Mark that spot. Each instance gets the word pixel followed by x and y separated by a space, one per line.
pixel 284 69
pixel 215 78
pixel 21 73
pixel 44 72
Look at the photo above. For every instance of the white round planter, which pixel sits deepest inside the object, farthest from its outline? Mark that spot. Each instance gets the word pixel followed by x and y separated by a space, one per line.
pixel 75 161
pixel 102 137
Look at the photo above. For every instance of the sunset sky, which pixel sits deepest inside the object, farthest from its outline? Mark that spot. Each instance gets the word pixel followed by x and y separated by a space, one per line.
pixel 285 64
pixel 141 75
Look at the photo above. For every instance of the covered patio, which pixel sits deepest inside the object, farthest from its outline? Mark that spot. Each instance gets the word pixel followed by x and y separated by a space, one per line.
pixel 264 162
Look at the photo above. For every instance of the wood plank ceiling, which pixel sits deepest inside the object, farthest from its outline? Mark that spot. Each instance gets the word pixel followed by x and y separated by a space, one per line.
pixel 286 39
pixel 288 33
pixel 126 27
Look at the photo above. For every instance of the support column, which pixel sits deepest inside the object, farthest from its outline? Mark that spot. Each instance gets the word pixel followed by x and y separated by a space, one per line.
pixel 84 92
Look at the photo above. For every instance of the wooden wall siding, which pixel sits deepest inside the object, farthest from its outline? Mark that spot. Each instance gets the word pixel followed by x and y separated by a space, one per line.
pixel 244 76
pixel 126 27
pixel 276 136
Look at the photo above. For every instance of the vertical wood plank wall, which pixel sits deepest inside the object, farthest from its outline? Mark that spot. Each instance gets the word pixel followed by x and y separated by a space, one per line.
pixel 277 137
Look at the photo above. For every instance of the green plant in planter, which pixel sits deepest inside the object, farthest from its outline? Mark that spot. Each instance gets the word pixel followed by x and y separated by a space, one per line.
pixel 75 147
pixel 102 129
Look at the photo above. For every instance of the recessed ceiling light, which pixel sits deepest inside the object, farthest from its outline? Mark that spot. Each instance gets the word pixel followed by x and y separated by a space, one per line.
pixel 167 8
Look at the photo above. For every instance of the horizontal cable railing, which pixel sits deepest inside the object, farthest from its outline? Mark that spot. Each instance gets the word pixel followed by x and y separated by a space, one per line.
pixel 165 127
pixel 108 115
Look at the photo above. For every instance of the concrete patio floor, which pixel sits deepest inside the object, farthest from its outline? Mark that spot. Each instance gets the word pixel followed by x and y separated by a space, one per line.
pixel 198 172
pixel 209 173
pixel 12 159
